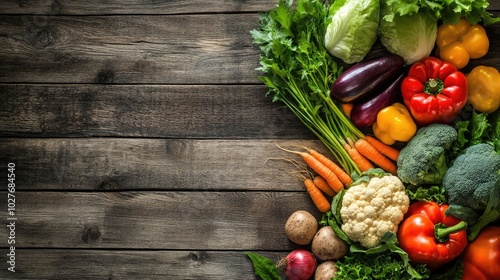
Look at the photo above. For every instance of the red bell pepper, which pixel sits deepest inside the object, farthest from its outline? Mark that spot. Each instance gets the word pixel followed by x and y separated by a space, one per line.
pixel 429 236
pixel 434 91
pixel 481 259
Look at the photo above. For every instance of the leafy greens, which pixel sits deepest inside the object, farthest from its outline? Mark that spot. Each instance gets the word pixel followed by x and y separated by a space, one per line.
pixel 299 71
pixel 475 129
pixel 410 36
pixel 264 267
pixel 449 11
pixel 386 261
pixel 353 29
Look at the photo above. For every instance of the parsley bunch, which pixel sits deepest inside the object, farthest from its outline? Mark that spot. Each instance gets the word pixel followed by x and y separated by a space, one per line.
pixel 377 266
pixel 299 71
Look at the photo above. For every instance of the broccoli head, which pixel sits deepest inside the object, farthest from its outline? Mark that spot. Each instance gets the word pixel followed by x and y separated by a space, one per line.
pixel 472 177
pixel 424 159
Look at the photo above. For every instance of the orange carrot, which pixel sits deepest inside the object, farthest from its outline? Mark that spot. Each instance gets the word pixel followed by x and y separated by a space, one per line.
pixel 317 196
pixel 320 168
pixel 383 148
pixel 367 150
pixel 322 184
pixel 347 108
pixel 339 172
pixel 359 159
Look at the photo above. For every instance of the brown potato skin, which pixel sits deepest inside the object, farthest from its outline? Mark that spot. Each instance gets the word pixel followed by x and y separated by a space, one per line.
pixel 325 271
pixel 327 246
pixel 301 227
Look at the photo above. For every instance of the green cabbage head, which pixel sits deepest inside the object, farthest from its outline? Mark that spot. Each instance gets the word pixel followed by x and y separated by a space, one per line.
pixel 353 29
pixel 411 36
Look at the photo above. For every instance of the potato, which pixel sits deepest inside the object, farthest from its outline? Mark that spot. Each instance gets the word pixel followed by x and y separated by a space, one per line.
pixel 327 246
pixel 301 227
pixel 325 271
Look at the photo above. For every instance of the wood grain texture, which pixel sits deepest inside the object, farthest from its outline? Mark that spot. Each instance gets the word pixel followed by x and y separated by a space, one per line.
pixel 98 7
pixel 202 111
pixel 154 49
pixel 181 49
pixel 152 164
pixel 93 7
pixel 193 220
pixel 126 264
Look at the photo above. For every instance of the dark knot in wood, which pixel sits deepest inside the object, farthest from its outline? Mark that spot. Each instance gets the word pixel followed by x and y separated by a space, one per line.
pixel 41 37
pixel 201 256
pixel 109 185
pixel 91 233
pixel 105 76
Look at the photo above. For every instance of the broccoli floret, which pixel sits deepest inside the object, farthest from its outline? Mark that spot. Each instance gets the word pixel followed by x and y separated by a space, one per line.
pixel 471 178
pixel 472 185
pixel 424 159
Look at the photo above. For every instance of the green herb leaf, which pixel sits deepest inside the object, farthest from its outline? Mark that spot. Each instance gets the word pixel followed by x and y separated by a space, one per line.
pixel 495 124
pixel 389 243
pixel 478 128
pixel 365 176
pixel 432 193
pixel 335 220
pixel 299 71
pixel 264 267
pixel 376 266
pixel 449 11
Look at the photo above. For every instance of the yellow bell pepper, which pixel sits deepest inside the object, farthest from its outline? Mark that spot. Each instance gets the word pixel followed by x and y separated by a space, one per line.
pixel 394 123
pixel 460 42
pixel 484 89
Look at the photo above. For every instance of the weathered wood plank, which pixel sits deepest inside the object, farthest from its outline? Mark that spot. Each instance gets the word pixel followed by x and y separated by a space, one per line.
pixel 202 111
pixel 97 7
pixel 139 164
pixel 108 265
pixel 179 49
pixel 194 220
pixel 129 49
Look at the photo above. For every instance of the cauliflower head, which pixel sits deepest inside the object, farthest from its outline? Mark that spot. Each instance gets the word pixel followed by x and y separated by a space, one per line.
pixel 373 207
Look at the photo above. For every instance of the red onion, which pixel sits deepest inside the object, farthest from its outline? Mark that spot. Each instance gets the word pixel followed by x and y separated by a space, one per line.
pixel 299 264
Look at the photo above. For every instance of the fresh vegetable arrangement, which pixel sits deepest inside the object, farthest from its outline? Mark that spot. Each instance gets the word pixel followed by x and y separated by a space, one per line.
pixel 412 188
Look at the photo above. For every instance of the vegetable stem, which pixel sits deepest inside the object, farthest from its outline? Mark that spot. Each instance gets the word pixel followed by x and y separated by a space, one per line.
pixel 443 232
pixel 299 72
pixel 434 86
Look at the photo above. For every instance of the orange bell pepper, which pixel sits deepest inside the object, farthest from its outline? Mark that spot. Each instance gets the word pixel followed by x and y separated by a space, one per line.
pixel 460 42
pixel 481 258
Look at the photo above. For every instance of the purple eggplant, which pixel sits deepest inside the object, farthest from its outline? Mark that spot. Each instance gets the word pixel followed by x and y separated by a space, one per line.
pixel 365 113
pixel 365 78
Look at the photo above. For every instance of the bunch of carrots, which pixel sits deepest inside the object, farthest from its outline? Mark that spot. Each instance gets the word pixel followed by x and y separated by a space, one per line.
pixel 331 178
pixel 298 71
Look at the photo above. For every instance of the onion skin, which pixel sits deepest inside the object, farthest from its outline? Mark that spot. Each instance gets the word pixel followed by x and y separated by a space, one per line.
pixel 364 114
pixel 299 264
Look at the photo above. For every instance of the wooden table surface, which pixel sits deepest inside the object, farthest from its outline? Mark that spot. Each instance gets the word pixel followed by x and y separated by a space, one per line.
pixel 141 140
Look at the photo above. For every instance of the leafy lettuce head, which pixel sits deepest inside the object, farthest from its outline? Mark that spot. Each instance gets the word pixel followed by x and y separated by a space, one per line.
pixel 353 29
pixel 411 36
